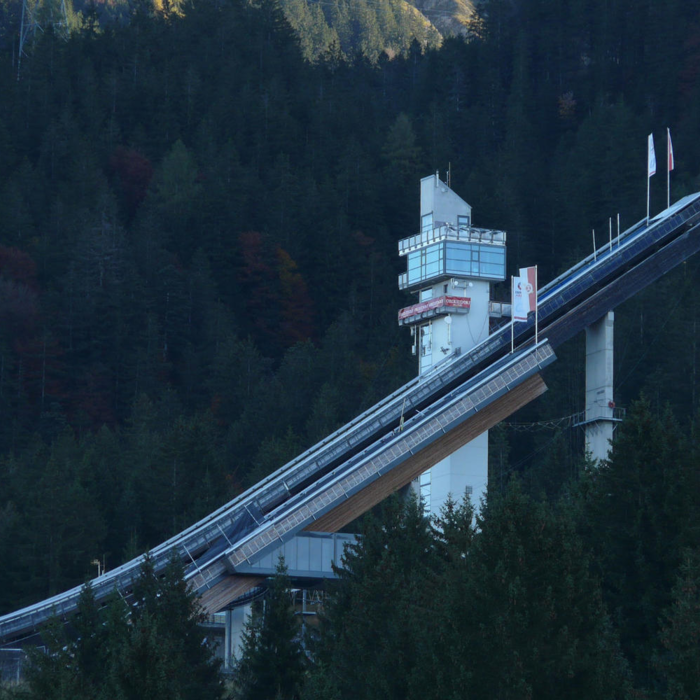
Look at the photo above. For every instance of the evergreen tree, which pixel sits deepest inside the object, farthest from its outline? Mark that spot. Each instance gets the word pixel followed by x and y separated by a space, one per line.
pixel 153 647
pixel 377 611
pixel 524 617
pixel 164 654
pixel 679 658
pixel 272 662
pixel 637 518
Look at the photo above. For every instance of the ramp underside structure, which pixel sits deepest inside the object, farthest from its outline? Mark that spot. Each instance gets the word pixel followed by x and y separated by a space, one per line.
pixel 390 444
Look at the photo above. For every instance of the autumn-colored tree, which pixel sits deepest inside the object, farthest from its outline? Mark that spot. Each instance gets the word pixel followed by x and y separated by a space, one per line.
pixel 134 171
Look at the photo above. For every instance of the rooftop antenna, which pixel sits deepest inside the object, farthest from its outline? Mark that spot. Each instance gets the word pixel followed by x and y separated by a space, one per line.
pixel 40 15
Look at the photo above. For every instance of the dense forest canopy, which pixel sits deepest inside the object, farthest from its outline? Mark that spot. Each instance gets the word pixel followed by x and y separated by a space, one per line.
pixel 198 233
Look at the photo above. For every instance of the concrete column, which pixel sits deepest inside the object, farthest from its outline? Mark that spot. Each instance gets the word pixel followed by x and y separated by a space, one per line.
pixel 599 421
pixel 233 633
pixel 465 471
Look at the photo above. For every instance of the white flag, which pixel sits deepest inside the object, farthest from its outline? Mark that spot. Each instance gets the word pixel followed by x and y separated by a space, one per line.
pixel 669 144
pixel 524 293
pixel 651 157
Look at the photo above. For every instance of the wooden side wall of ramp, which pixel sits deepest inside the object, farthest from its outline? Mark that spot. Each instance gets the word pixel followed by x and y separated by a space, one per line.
pixel 227 590
pixel 232 587
pixel 429 456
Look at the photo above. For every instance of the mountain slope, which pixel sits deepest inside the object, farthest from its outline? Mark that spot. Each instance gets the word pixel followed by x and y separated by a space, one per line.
pixel 367 27
pixel 449 17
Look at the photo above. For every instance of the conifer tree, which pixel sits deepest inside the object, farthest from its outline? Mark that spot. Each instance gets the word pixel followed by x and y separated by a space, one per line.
pixel 273 662
pixel 152 647
pixel 524 617
pixel 679 658
pixel 636 521
pixel 375 614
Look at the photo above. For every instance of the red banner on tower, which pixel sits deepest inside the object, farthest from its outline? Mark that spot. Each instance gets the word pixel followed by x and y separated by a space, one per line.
pixel 438 302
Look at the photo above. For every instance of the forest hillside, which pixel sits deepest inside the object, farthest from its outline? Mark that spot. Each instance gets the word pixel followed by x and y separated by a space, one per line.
pixel 198 227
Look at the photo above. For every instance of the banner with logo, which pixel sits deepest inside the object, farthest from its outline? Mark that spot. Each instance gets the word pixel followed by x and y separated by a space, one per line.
pixel 524 293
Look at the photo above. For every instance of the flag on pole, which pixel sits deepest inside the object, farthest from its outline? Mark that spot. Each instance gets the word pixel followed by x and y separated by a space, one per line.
pixel 671 163
pixel 651 160
pixel 524 293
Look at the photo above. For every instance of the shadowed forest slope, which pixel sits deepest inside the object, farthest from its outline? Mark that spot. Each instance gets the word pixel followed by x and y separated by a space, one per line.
pixel 198 244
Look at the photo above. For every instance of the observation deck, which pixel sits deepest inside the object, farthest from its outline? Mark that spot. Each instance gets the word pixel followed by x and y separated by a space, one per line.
pixel 450 232
pixel 446 250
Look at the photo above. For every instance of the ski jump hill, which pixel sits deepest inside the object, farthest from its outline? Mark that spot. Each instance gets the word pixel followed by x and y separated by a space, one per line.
pixel 389 445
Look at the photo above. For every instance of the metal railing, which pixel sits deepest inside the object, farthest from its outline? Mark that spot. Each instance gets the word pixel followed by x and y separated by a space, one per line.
pixel 444 232
pixel 601 413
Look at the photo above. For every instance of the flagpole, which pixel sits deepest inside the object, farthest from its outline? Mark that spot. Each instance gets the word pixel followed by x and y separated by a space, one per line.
pixel 648 181
pixel 535 304
pixel 512 315
pixel 668 169
pixel 669 166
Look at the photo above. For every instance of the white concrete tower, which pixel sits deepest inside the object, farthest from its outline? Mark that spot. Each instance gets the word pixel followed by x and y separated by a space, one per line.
pixel 451 265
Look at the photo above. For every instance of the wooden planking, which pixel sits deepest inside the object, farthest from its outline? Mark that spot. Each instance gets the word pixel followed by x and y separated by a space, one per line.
pixel 232 587
pixel 415 465
pixel 226 591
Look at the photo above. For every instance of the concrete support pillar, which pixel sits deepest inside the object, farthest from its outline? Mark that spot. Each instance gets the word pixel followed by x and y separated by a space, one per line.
pixel 465 471
pixel 599 421
pixel 233 633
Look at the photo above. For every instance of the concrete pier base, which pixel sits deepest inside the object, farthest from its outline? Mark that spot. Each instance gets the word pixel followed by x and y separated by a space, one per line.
pixel 233 634
pixel 599 421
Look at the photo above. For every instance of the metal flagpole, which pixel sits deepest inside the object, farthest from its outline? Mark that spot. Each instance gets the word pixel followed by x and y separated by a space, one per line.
pixel 512 314
pixel 610 228
pixel 535 304
pixel 668 168
pixel 651 167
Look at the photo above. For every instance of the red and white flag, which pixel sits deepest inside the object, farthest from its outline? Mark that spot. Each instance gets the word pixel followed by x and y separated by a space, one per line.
pixel 671 162
pixel 651 157
pixel 524 293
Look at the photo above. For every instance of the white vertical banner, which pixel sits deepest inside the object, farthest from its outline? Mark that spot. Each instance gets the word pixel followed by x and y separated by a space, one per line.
pixel 519 311
pixel 524 293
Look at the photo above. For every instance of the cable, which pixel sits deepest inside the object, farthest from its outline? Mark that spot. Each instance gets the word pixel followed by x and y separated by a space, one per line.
pixel 552 424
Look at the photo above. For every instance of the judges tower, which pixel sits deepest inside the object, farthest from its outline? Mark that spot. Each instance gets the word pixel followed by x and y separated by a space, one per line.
pixel 451 265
